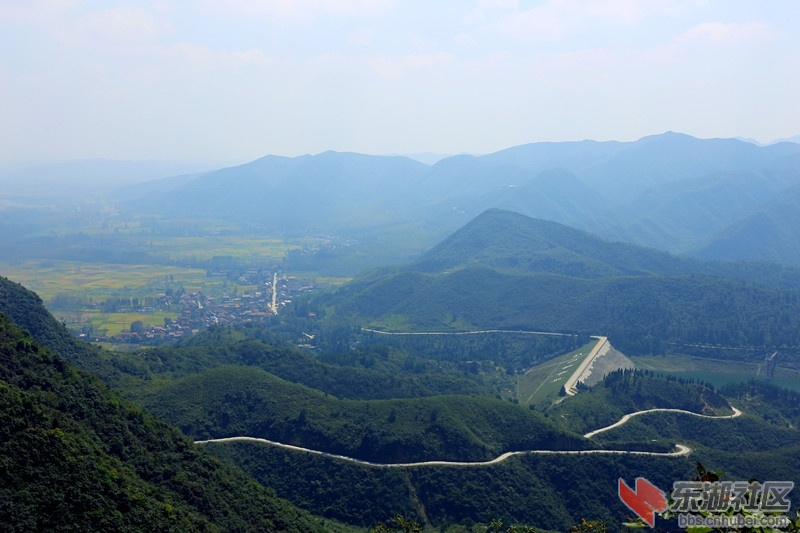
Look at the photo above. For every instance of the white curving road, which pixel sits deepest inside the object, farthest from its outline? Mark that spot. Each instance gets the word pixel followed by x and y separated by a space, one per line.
pixel 625 418
pixel 681 449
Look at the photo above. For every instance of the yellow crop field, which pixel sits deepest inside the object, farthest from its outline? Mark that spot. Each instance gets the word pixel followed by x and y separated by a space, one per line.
pixel 114 323
pixel 49 278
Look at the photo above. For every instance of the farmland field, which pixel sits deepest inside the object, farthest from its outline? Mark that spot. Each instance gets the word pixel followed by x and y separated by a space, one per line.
pixel 98 281
pixel 716 371
pixel 208 246
pixel 75 290
pixel 94 283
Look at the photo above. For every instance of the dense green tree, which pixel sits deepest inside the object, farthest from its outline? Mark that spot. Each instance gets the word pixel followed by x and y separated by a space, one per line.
pixel 75 456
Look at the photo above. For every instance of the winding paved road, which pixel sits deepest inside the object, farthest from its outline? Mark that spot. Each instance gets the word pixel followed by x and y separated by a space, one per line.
pixel 681 449
pixel 625 418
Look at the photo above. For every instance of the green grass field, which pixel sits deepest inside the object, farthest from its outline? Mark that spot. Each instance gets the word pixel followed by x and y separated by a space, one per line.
pixel 718 372
pixel 540 385
pixel 113 323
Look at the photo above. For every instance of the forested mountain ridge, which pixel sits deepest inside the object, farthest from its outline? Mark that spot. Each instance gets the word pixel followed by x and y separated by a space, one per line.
pixel 513 242
pixel 552 491
pixel 235 401
pixel 373 375
pixel 77 456
pixel 504 270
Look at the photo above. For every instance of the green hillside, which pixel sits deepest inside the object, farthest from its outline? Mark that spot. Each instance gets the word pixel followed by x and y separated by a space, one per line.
pixel 552 491
pixel 25 309
pixel 374 373
pixel 509 241
pixel 624 392
pixel 639 314
pixel 75 456
pixel 236 401
pixel 507 271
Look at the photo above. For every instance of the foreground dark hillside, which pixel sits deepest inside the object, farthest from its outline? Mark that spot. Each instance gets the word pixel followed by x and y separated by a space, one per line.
pixel 76 456
pixel 25 309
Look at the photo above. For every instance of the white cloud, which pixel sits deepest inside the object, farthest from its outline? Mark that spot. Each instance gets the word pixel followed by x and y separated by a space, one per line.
pixel 465 39
pixel 545 22
pixel 485 8
pixel 633 11
pixel 392 68
pixel 204 58
pixel 720 32
pixel 31 11
pixel 680 48
pixel 361 37
pixel 298 10
pixel 124 23
pixel 556 19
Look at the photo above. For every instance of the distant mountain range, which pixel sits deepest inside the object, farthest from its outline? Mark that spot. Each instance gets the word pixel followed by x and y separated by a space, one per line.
pixel 710 198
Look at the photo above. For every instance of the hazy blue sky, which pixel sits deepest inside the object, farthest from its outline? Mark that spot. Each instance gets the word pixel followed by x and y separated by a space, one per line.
pixel 232 80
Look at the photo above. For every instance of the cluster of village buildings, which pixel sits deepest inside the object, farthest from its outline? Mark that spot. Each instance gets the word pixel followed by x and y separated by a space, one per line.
pixel 200 311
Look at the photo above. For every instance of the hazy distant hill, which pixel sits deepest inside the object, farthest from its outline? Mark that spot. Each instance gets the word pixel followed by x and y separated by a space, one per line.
pixel 87 177
pixel 672 156
pixel 510 241
pixel 322 192
pixel 670 191
pixel 767 232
